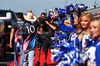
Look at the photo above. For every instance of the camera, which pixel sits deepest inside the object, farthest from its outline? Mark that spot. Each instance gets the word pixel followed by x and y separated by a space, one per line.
pixel 43 24
pixel 42 20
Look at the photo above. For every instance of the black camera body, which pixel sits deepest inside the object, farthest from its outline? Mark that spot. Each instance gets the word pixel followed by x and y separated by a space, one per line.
pixel 42 20
pixel 43 24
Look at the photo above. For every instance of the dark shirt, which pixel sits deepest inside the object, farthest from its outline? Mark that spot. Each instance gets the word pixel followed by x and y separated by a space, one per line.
pixel 17 25
pixel 50 32
pixel 28 32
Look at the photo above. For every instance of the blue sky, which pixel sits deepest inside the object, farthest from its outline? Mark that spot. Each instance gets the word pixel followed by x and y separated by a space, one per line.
pixel 39 6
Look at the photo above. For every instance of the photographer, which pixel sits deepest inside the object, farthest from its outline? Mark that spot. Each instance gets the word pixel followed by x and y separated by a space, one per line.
pixel 40 30
pixel 47 41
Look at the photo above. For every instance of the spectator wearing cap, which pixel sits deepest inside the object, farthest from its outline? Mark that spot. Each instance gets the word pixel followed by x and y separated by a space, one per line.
pixel 28 33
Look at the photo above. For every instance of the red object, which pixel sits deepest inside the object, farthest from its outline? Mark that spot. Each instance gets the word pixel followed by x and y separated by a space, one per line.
pixel 35 60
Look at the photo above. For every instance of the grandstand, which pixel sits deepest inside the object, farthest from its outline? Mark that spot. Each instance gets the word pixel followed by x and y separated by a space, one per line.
pixel 95 12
